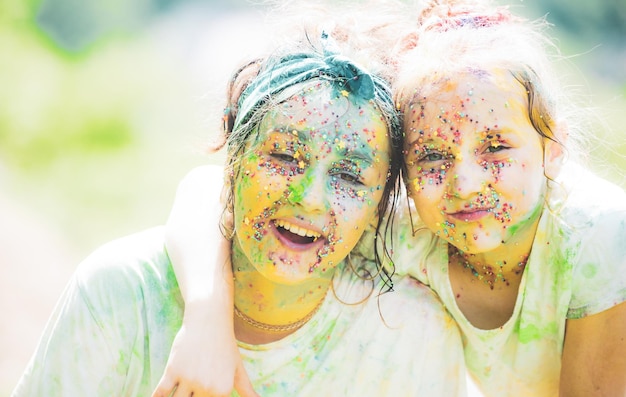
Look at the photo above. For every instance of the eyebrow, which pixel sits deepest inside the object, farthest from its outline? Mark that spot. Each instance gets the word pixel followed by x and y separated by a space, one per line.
pixel 281 129
pixel 499 133
pixel 357 154
pixel 425 141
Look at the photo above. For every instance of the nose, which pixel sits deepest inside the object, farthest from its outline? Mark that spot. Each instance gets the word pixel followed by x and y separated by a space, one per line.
pixel 309 191
pixel 468 179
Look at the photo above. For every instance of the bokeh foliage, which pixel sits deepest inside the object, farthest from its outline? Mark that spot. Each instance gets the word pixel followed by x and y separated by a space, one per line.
pixel 98 112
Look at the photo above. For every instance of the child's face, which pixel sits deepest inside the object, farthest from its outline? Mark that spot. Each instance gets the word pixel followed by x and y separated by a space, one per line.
pixel 310 184
pixel 475 162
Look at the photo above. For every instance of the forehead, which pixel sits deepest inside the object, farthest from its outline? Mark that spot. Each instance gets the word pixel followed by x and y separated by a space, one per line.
pixel 471 96
pixel 320 113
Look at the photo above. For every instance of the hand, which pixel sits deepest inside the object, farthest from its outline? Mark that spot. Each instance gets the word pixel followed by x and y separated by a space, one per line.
pixel 201 377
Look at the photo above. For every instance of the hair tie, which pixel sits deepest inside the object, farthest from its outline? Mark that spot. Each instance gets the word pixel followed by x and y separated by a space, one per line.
pixel 283 72
pixel 472 20
pixel 359 82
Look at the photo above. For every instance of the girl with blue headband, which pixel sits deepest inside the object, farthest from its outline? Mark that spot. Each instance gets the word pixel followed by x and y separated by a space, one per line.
pixel 313 160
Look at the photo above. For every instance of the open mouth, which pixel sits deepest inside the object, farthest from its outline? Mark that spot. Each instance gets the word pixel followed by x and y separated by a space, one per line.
pixel 296 234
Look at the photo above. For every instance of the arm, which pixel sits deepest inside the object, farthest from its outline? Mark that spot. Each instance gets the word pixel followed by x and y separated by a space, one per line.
pixel 594 350
pixel 193 238
pixel 594 355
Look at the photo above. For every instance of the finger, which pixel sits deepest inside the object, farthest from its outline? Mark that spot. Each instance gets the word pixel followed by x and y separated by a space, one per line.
pixel 243 386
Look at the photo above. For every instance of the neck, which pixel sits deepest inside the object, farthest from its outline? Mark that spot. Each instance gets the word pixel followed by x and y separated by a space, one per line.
pixel 506 271
pixel 269 302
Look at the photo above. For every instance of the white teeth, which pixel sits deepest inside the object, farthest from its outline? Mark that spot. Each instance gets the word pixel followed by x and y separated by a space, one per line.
pixel 297 229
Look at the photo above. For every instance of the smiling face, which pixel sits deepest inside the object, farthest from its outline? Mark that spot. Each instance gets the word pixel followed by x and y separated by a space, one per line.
pixel 309 184
pixel 475 162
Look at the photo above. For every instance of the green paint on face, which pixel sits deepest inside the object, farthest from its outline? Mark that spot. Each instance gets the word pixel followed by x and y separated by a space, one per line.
pixel 296 193
pixel 534 216
pixel 296 190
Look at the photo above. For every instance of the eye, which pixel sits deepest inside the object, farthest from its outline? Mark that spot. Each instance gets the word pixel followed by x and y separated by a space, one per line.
pixel 284 157
pixel 495 147
pixel 349 177
pixel 348 172
pixel 432 156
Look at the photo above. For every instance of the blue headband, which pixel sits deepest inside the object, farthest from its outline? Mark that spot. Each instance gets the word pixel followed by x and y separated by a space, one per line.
pixel 286 71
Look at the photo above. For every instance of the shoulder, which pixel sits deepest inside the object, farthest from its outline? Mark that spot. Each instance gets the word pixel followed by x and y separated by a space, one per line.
pixel 592 226
pixel 412 243
pixel 405 302
pixel 427 341
pixel 583 197
pixel 413 304
pixel 209 175
pixel 124 268
pixel 120 296
pixel 593 212
pixel 585 210
pixel 404 337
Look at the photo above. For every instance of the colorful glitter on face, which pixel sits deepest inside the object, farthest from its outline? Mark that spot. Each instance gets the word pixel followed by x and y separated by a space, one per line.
pixel 474 160
pixel 314 169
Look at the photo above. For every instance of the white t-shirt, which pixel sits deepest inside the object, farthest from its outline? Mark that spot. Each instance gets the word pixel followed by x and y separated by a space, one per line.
pixel 577 267
pixel 111 334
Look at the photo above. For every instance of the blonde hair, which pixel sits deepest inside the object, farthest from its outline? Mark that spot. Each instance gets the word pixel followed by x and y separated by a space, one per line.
pixel 456 38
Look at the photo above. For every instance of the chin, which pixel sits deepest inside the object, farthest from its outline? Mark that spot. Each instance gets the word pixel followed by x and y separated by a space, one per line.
pixel 480 244
pixel 293 273
pixel 294 277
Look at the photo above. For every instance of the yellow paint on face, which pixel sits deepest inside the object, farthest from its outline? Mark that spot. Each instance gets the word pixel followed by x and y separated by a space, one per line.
pixel 311 184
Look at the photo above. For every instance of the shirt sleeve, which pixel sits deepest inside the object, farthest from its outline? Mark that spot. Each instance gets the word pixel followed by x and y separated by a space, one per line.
pixel 599 276
pixel 85 348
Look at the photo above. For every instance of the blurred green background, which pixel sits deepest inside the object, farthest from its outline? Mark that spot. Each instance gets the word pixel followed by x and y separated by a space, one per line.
pixel 105 105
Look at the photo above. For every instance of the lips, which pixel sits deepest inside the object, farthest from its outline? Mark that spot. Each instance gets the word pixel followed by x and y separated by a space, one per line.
pixel 295 236
pixel 471 215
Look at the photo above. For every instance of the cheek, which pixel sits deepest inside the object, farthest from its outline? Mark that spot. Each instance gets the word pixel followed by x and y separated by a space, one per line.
pixel 523 181
pixel 357 212
pixel 255 201
pixel 434 177
pixel 429 187
pixel 428 203
pixel 264 182
pixel 519 189
pixel 252 190
pixel 496 170
pixel 352 209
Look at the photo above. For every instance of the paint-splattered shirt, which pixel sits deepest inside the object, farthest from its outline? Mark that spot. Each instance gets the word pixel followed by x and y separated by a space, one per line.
pixel 577 267
pixel 112 331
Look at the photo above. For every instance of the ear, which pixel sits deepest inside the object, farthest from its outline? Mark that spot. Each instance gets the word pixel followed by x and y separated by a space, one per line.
pixel 554 154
